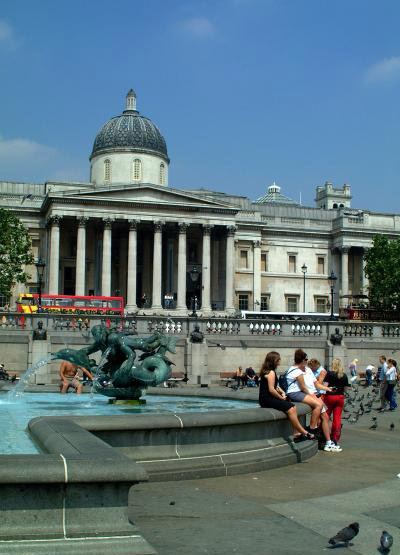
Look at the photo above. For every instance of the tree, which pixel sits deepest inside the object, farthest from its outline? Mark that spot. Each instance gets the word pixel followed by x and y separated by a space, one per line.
pixel 383 271
pixel 15 252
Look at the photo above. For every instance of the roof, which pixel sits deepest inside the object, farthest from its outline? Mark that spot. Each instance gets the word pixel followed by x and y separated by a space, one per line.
pixel 274 196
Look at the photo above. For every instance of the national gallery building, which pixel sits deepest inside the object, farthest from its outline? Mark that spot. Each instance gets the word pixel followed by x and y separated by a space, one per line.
pixel 128 232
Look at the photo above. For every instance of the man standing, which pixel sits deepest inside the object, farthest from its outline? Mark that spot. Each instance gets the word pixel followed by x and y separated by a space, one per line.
pixel 381 378
pixel 71 376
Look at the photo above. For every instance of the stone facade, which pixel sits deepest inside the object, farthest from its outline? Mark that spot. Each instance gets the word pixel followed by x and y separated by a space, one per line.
pixel 145 239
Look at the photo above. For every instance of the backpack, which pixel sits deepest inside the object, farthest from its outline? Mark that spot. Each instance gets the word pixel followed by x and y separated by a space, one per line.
pixel 284 382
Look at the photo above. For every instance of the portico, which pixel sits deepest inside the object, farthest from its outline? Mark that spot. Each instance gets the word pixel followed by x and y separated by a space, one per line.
pixel 146 259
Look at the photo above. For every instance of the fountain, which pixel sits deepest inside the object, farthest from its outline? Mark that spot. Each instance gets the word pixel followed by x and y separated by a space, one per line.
pixel 116 375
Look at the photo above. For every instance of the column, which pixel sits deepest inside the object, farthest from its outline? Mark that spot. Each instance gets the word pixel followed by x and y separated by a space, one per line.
pixel 54 267
pixel 335 267
pixel 215 270
pixel 182 263
pixel 106 263
pixel 206 269
pixel 257 275
pixel 364 279
pixel 344 282
pixel 230 268
pixel 157 266
pixel 81 256
pixel 132 266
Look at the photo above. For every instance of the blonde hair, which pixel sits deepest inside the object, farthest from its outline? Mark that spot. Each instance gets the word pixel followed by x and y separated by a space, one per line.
pixel 337 367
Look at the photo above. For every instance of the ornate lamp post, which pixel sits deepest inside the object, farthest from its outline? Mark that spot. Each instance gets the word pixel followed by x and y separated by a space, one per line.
pixel 304 270
pixel 194 276
pixel 332 280
pixel 40 265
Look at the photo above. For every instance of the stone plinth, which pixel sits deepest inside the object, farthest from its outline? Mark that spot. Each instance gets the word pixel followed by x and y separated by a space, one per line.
pixel 196 362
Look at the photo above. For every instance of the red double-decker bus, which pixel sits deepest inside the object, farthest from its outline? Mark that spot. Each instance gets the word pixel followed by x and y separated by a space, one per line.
pixel 28 303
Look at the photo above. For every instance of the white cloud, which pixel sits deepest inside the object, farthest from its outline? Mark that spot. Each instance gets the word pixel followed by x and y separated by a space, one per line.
pixel 26 160
pixel 385 71
pixel 198 27
pixel 7 36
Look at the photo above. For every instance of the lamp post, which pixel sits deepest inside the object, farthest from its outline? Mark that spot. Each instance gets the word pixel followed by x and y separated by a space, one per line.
pixel 40 264
pixel 304 270
pixel 332 280
pixel 194 276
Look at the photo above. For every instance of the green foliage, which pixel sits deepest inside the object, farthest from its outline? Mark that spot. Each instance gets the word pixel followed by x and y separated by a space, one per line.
pixel 383 271
pixel 15 252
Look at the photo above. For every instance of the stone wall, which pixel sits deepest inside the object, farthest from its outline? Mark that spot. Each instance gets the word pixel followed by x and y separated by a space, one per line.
pixel 228 343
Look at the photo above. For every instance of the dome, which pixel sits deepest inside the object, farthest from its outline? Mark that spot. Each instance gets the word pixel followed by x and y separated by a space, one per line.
pixel 130 132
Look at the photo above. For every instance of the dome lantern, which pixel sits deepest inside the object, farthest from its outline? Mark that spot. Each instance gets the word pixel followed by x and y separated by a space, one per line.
pixel 130 103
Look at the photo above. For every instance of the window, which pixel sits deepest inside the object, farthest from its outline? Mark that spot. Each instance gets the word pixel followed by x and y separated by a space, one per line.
pixel 107 171
pixel 137 170
pixel 265 302
pixel 244 259
pixel 243 301
pixel 321 304
pixel 263 261
pixel 292 263
pixel 335 205
pixel 162 174
pixel 292 303
pixel 321 264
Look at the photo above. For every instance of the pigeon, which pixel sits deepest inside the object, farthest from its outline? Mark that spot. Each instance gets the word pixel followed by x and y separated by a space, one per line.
pixel 345 535
pixel 391 427
pixel 374 426
pixel 354 419
pixel 386 542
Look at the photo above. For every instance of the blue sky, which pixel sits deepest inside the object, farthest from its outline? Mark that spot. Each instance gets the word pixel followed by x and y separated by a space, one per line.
pixel 245 92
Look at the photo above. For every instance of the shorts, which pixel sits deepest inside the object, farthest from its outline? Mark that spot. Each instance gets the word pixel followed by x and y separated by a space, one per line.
pixel 296 396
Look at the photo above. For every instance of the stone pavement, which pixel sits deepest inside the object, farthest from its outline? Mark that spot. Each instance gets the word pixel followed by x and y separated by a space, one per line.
pixel 285 511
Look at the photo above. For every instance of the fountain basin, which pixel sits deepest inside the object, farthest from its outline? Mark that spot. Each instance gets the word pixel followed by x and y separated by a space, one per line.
pixel 76 491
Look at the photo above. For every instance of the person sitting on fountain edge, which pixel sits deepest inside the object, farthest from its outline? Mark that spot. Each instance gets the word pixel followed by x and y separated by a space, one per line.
pixel 71 376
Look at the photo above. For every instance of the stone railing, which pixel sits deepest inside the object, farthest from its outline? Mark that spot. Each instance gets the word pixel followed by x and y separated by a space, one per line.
pixel 358 330
pixel 391 330
pixel 14 322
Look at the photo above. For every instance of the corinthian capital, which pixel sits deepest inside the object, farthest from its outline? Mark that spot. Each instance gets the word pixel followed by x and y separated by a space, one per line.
pixel 82 221
pixel 231 230
pixel 108 222
pixel 133 224
pixel 183 227
pixel 158 226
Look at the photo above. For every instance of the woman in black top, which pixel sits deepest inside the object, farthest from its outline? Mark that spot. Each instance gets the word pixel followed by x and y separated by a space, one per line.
pixel 271 395
pixel 334 400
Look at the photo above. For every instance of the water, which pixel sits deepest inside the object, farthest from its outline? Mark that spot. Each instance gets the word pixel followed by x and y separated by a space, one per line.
pixel 19 388
pixel 14 416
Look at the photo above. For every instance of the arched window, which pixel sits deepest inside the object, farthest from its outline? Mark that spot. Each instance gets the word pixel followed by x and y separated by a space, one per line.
pixel 341 205
pixel 162 173
pixel 334 205
pixel 137 170
pixel 107 171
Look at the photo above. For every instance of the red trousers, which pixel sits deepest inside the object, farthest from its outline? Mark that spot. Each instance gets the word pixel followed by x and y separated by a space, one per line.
pixel 334 405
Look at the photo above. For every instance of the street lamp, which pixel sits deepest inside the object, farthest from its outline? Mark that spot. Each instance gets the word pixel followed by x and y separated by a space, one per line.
pixel 304 270
pixel 332 280
pixel 194 276
pixel 40 264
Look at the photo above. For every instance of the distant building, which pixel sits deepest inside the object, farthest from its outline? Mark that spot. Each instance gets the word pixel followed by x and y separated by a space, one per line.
pixel 128 232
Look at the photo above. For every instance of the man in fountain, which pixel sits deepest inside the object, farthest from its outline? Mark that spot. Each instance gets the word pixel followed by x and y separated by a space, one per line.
pixel 72 376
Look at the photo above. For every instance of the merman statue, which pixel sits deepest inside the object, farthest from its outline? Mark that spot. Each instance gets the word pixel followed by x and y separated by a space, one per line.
pixel 117 375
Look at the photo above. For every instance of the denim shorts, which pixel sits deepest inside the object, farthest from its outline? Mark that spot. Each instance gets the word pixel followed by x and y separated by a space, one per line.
pixel 296 396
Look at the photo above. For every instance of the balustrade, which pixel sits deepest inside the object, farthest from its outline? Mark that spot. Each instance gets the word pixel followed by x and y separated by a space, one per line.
pixel 358 330
pixel 223 326
pixel 390 330
pixel 306 329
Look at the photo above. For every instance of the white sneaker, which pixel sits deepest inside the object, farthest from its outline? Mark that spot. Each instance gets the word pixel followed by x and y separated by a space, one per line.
pixel 332 447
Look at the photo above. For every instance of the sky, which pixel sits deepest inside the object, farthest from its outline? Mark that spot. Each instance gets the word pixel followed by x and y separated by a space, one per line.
pixel 245 92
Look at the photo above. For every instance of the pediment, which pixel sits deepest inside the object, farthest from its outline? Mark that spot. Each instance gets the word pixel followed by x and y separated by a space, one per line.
pixel 149 194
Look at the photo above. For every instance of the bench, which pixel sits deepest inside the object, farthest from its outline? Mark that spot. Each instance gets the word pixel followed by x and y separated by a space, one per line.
pixel 226 378
pixel 175 378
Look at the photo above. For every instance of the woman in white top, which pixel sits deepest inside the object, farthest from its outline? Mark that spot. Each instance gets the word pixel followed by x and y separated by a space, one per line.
pixel 297 390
